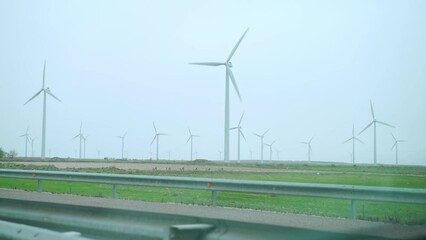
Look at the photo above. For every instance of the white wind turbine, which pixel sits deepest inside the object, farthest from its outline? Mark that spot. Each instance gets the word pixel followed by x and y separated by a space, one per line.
pixel 80 136
pixel 32 147
pixel 229 74
pixel 122 144
pixel 27 139
pixel 157 136
pixel 270 149
pixel 309 148
pixel 191 136
pixel 374 122
pixel 353 138
pixel 240 133
pixel 45 91
pixel 395 145
pixel 261 144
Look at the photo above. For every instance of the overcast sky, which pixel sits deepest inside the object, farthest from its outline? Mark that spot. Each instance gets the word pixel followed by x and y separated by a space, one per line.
pixel 305 68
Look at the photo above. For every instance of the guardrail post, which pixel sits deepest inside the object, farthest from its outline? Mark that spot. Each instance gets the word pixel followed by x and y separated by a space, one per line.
pixel 353 207
pixel 214 198
pixel 40 186
pixel 115 191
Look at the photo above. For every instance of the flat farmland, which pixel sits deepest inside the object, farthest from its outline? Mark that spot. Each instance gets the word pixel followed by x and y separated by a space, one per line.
pixel 386 176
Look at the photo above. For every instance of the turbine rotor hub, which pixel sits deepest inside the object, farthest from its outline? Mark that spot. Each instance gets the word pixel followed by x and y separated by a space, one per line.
pixel 229 64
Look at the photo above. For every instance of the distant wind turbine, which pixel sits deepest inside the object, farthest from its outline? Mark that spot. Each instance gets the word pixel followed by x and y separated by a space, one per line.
pixel 228 66
pixel 309 148
pixel 191 136
pixel 353 138
pixel 27 139
pixel 45 91
pixel 261 144
pixel 122 144
pixel 80 136
pixel 374 122
pixel 240 133
pixel 395 145
pixel 270 149
pixel 157 136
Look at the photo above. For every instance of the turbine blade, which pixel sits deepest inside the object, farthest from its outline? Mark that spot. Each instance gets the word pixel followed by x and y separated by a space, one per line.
pixel 359 140
pixel 207 63
pixel 311 140
pixel 190 133
pixel 33 96
pixel 155 129
pixel 51 94
pixel 273 142
pixel 393 136
pixel 242 134
pixel 234 82
pixel 154 139
pixel 353 129
pixel 257 135
pixel 44 72
pixel 394 145
pixel 189 139
pixel 372 111
pixel 347 141
pixel 386 124
pixel 236 46
pixel 23 135
pixel 76 136
pixel 241 119
pixel 266 132
pixel 233 128
pixel 366 127
pixel 124 134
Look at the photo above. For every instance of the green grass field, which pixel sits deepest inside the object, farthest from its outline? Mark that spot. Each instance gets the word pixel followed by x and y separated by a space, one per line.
pixel 405 177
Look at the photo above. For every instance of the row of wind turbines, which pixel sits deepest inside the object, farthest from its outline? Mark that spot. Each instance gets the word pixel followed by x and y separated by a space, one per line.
pixel 229 75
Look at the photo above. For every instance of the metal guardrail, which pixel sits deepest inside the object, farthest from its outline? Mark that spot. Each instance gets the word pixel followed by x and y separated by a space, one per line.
pixel 46 220
pixel 348 192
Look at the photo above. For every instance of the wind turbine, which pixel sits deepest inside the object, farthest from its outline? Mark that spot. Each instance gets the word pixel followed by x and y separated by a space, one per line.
pixel 309 148
pixel 261 144
pixel 191 136
pixel 228 74
pixel 45 91
pixel 157 136
pixel 122 144
pixel 27 139
pixel 374 122
pixel 395 145
pixel 32 147
pixel 240 133
pixel 80 136
pixel 353 138
pixel 270 149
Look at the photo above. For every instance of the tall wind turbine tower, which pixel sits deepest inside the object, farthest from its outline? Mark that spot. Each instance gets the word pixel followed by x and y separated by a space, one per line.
pixel 240 133
pixel 309 148
pixel 191 136
pixel 270 149
pixel 122 144
pixel 353 138
pixel 374 122
pixel 45 91
pixel 228 74
pixel 395 145
pixel 157 136
pixel 27 139
pixel 80 136
pixel 261 144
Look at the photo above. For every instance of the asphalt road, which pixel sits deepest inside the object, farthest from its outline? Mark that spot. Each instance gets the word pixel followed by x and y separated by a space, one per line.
pixel 338 225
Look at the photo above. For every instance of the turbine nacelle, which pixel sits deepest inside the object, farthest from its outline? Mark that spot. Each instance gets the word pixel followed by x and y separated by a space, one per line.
pixel 229 64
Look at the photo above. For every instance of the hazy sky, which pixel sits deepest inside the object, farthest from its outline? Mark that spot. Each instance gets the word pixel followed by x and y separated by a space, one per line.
pixel 305 68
